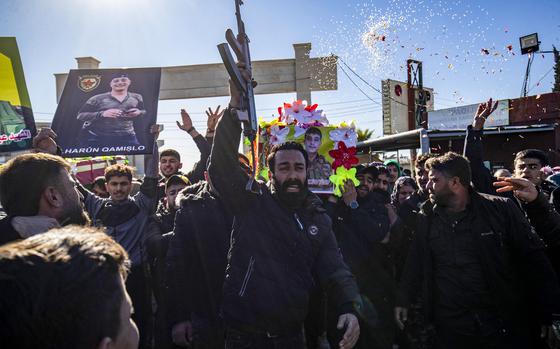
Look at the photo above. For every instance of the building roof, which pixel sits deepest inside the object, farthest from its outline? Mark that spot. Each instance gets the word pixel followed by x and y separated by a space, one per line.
pixel 412 139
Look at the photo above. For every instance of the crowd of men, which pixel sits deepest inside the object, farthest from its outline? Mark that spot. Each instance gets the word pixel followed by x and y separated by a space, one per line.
pixel 449 258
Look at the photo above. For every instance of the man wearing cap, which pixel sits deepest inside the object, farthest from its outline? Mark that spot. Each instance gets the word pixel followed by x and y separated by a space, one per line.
pixel 109 117
pixel 360 223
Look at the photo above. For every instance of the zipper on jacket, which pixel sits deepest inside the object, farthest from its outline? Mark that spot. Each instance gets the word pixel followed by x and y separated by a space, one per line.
pixel 247 276
pixel 298 221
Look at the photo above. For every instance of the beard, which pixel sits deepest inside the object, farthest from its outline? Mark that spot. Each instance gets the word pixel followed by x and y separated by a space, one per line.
pixel 76 215
pixel 291 200
pixel 442 198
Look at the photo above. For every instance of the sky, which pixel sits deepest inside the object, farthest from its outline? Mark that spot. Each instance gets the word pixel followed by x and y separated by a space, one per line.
pixel 463 46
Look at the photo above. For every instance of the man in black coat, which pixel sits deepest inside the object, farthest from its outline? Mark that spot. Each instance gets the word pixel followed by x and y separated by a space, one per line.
pixel 360 223
pixel 196 263
pixel 281 244
pixel 482 271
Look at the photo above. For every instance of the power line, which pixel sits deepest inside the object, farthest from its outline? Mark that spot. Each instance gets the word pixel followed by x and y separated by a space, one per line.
pixel 541 79
pixel 358 87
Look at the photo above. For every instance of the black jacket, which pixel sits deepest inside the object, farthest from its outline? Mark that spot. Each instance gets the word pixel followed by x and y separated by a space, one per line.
pixel 520 277
pixel 359 233
pixel 545 222
pixel 7 232
pixel 197 255
pixel 276 254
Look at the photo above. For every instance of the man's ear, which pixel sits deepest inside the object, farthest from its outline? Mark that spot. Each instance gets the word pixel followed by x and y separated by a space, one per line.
pixel 180 165
pixel 53 197
pixel 105 343
pixel 107 187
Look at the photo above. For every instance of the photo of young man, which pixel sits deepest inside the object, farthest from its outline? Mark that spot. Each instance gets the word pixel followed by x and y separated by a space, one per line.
pixel 318 169
pixel 108 118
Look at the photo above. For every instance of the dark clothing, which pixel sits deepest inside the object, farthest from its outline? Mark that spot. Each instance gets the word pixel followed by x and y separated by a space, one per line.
pixel 242 340
pixel 458 276
pixel 521 283
pixel 196 262
pixel 195 175
pixel 544 221
pixel 482 179
pixel 137 288
pixel 358 233
pixel 7 232
pixel 276 254
pixel 158 235
pixel 91 113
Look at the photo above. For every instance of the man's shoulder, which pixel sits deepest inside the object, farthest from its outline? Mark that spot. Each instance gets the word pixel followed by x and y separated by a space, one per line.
pixel 135 95
pixel 98 97
pixel 498 201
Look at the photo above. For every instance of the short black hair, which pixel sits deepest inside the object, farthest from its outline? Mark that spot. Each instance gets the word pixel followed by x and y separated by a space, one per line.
pixel 533 154
pixel 99 181
pixel 170 152
pixel 24 178
pixel 422 158
pixel 61 289
pixel 382 170
pixel 313 131
pixel 452 165
pixel 285 146
pixel 372 170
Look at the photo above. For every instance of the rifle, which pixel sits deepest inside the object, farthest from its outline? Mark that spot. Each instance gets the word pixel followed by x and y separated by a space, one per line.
pixel 247 112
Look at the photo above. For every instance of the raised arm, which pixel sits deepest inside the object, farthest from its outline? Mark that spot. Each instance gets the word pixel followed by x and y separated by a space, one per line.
pixel 147 196
pixel 202 143
pixel 226 175
pixel 481 177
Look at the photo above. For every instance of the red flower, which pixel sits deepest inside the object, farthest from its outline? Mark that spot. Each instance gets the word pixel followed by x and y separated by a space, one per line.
pixel 343 156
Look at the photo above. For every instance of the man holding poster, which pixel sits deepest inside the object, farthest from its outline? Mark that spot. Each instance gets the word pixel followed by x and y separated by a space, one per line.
pixel 109 117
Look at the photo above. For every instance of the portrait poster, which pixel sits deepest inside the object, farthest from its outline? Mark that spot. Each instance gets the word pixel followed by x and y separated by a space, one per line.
pixel 107 112
pixel 17 125
pixel 317 142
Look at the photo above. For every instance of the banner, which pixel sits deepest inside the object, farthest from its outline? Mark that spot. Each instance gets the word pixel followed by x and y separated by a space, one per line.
pixel 17 125
pixel 107 112
pixel 458 118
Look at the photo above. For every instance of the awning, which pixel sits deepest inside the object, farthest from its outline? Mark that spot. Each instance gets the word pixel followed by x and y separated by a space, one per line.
pixel 420 138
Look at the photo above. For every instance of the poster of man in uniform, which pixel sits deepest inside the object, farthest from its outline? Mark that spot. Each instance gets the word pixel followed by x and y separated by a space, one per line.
pixel 17 125
pixel 107 112
pixel 317 142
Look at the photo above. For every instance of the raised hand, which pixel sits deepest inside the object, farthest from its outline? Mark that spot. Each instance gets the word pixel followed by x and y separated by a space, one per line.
pixel 155 129
pixel 187 122
pixel 522 188
pixel 213 117
pixel 44 141
pixel 482 113
pixel 349 193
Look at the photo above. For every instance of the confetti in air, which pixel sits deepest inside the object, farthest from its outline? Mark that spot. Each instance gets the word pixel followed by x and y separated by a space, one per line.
pixel 377 38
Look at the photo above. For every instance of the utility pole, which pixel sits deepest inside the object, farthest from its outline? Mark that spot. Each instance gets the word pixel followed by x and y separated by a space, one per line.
pixel 556 87
pixel 416 106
